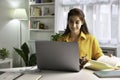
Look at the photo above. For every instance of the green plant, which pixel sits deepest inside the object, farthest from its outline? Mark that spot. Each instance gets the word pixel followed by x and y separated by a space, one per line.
pixel 24 52
pixel 4 53
pixel 55 37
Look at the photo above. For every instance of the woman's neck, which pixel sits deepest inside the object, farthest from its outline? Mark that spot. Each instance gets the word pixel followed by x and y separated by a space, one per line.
pixel 74 37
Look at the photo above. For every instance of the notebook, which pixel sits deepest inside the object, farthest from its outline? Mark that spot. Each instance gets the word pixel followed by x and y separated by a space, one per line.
pixel 10 75
pixel 108 74
pixel 53 55
pixel 28 76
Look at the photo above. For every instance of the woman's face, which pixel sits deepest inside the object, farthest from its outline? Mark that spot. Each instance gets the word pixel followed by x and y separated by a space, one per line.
pixel 74 23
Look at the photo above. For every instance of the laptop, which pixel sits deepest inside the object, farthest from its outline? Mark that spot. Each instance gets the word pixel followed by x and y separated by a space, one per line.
pixel 54 55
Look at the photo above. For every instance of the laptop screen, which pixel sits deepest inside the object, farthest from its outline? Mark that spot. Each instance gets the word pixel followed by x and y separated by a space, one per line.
pixel 54 55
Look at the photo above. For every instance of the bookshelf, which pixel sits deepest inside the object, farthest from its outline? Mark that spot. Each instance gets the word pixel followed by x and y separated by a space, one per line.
pixel 41 19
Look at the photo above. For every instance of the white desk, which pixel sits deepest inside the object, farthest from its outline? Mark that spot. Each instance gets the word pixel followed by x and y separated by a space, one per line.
pixel 84 74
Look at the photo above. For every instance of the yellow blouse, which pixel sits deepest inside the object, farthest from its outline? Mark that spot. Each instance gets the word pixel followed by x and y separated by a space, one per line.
pixel 88 45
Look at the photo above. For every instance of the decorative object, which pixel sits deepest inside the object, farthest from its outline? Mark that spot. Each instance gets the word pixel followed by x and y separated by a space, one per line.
pixel 24 52
pixel 4 53
pixel 20 14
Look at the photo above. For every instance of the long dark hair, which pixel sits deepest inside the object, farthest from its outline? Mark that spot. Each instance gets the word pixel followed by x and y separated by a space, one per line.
pixel 77 12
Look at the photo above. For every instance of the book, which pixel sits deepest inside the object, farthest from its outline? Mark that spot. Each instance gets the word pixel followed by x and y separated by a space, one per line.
pixel 103 63
pixel 108 74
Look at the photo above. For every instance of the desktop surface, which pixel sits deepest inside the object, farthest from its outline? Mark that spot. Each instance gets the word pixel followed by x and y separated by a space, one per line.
pixel 83 74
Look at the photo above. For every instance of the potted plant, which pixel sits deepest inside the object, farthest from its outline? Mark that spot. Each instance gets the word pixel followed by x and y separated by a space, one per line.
pixel 4 53
pixel 24 52
pixel 55 37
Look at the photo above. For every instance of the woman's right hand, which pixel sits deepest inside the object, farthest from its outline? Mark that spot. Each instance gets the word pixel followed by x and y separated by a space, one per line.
pixel 83 61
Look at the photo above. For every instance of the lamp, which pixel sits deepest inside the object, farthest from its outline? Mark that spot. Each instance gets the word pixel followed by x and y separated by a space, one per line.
pixel 20 14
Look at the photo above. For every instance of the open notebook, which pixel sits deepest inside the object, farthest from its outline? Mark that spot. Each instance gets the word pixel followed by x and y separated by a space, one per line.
pixel 104 63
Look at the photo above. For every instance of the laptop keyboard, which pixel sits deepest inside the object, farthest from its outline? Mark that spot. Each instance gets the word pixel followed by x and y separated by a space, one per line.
pixel 10 75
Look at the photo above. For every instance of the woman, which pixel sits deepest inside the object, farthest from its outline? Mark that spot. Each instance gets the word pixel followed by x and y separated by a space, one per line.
pixel 77 31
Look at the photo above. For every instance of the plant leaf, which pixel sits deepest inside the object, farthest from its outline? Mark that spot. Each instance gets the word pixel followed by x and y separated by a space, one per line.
pixel 20 52
pixel 32 60
pixel 55 37
pixel 26 51
pixel 25 48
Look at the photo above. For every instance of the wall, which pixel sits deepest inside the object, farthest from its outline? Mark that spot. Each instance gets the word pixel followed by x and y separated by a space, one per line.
pixel 9 28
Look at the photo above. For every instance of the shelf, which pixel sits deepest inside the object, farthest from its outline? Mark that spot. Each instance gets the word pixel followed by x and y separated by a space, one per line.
pixel 41 19
pixel 49 16
pixel 41 4
pixel 41 30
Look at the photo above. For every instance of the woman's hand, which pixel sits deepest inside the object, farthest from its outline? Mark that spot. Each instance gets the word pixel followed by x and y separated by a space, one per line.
pixel 83 61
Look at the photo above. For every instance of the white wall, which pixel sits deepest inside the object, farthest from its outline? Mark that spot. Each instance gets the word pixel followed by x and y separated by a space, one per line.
pixel 9 28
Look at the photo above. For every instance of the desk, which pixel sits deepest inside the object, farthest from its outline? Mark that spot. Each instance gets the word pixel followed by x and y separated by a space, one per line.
pixel 84 74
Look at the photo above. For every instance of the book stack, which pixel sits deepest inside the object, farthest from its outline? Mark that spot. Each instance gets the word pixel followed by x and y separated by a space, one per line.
pixel 43 1
pixel 37 25
pixel 39 1
pixel 35 11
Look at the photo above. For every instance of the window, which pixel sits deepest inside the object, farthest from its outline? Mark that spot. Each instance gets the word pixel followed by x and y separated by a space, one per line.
pixel 101 22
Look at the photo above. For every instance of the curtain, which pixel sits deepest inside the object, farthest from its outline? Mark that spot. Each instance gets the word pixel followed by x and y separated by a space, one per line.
pixel 74 2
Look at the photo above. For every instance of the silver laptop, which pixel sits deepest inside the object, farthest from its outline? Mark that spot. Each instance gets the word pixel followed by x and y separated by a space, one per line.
pixel 53 55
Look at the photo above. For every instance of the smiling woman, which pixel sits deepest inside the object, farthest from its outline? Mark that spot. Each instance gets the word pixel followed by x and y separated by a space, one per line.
pixel 77 31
